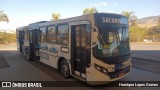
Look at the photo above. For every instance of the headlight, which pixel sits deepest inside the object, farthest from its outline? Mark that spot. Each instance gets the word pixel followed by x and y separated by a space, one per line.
pixel 101 69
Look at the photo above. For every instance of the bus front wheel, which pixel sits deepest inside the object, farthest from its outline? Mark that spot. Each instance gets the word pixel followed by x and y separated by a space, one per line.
pixel 65 69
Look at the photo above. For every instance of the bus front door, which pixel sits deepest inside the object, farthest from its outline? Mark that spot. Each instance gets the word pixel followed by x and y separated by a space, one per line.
pixel 78 50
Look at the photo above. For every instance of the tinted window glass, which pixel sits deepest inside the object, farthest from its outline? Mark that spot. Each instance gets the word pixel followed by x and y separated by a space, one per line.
pixel 62 35
pixel 113 41
pixel 51 37
pixel 26 34
pixel 43 34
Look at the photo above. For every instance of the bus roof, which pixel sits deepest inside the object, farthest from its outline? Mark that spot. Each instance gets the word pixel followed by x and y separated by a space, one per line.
pixel 78 18
pixel 30 26
pixel 35 25
pixel 20 28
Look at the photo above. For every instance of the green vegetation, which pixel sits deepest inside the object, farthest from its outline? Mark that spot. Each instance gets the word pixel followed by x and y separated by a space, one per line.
pixel 55 16
pixel 131 17
pixel 7 38
pixel 3 17
pixel 138 34
pixel 154 32
pixel 89 11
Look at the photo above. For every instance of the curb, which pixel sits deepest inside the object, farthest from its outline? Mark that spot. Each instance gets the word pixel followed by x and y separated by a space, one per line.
pixel 145 59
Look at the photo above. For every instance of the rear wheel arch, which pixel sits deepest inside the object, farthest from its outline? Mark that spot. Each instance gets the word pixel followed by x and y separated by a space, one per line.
pixel 64 67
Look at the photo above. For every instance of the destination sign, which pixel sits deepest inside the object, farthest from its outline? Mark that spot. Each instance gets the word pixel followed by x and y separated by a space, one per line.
pixel 105 19
pixel 110 20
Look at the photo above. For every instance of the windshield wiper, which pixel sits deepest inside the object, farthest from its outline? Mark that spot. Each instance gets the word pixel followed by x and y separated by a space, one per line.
pixel 99 34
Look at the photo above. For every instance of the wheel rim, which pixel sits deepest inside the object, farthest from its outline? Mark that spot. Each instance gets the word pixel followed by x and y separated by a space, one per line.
pixel 64 69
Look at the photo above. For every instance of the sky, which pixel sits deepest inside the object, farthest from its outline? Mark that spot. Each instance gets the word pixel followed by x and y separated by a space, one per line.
pixel 23 12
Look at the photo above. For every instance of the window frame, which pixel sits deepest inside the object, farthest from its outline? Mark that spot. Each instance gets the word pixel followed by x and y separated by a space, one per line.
pixel 41 34
pixel 26 34
pixel 58 34
pixel 52 34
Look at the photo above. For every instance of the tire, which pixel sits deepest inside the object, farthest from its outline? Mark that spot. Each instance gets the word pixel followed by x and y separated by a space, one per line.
pixel 65 69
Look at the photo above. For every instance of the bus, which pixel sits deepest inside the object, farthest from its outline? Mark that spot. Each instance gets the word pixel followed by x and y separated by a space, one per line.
pixel 27 40
pixel 19 38
pixel 93 47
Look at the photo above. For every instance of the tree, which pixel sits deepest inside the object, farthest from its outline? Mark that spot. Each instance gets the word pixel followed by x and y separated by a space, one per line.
pixel 89 11
pixel 7 38
pixel 55 16
pixel 131 17
pixel 154 32
pixel 3 17
pixel 137 34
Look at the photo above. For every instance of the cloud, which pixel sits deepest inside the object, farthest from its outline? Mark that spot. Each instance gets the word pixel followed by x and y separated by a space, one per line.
pixel 115 4
pixel 99 4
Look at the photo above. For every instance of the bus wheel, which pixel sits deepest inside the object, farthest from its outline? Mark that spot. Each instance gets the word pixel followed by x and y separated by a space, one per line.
pixel 65 69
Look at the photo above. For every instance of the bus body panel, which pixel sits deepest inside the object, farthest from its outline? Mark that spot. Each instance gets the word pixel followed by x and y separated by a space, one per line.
pixel 83 56
pixel 19 32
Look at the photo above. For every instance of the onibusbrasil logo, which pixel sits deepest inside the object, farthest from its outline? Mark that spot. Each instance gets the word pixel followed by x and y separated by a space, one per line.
pixel 20 84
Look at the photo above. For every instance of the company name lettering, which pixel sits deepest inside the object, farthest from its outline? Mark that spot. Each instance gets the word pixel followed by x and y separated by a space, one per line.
pixel 110 20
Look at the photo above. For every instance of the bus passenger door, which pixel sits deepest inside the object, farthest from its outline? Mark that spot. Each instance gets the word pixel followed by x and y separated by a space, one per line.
pixel 79 49
pixel 31 44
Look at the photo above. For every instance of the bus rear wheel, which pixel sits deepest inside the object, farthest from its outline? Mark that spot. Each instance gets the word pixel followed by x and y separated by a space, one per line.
pixel 65 69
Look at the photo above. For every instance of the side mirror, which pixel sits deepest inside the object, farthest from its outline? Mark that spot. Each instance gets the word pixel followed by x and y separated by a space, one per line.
pixel 94 36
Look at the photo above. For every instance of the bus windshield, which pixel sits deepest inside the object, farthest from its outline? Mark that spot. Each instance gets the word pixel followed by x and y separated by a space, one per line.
pixel 113 41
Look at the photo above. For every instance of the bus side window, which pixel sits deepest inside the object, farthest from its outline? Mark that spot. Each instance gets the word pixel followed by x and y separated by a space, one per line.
pixel 40 35
pixel 88 44
pixel 30 34
pixel 62 35
pixel 43 34
pixel 17 34
pixel 51 36
pixel 26 34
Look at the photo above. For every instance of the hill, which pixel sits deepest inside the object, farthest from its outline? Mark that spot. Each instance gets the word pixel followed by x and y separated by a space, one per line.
pixel 148 21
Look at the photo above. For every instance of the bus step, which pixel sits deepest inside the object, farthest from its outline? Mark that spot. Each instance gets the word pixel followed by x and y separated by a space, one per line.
pixel 78 77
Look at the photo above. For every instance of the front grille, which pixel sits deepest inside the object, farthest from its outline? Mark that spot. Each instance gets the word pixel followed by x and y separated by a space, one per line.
pixel 118 73
pixel 114 59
